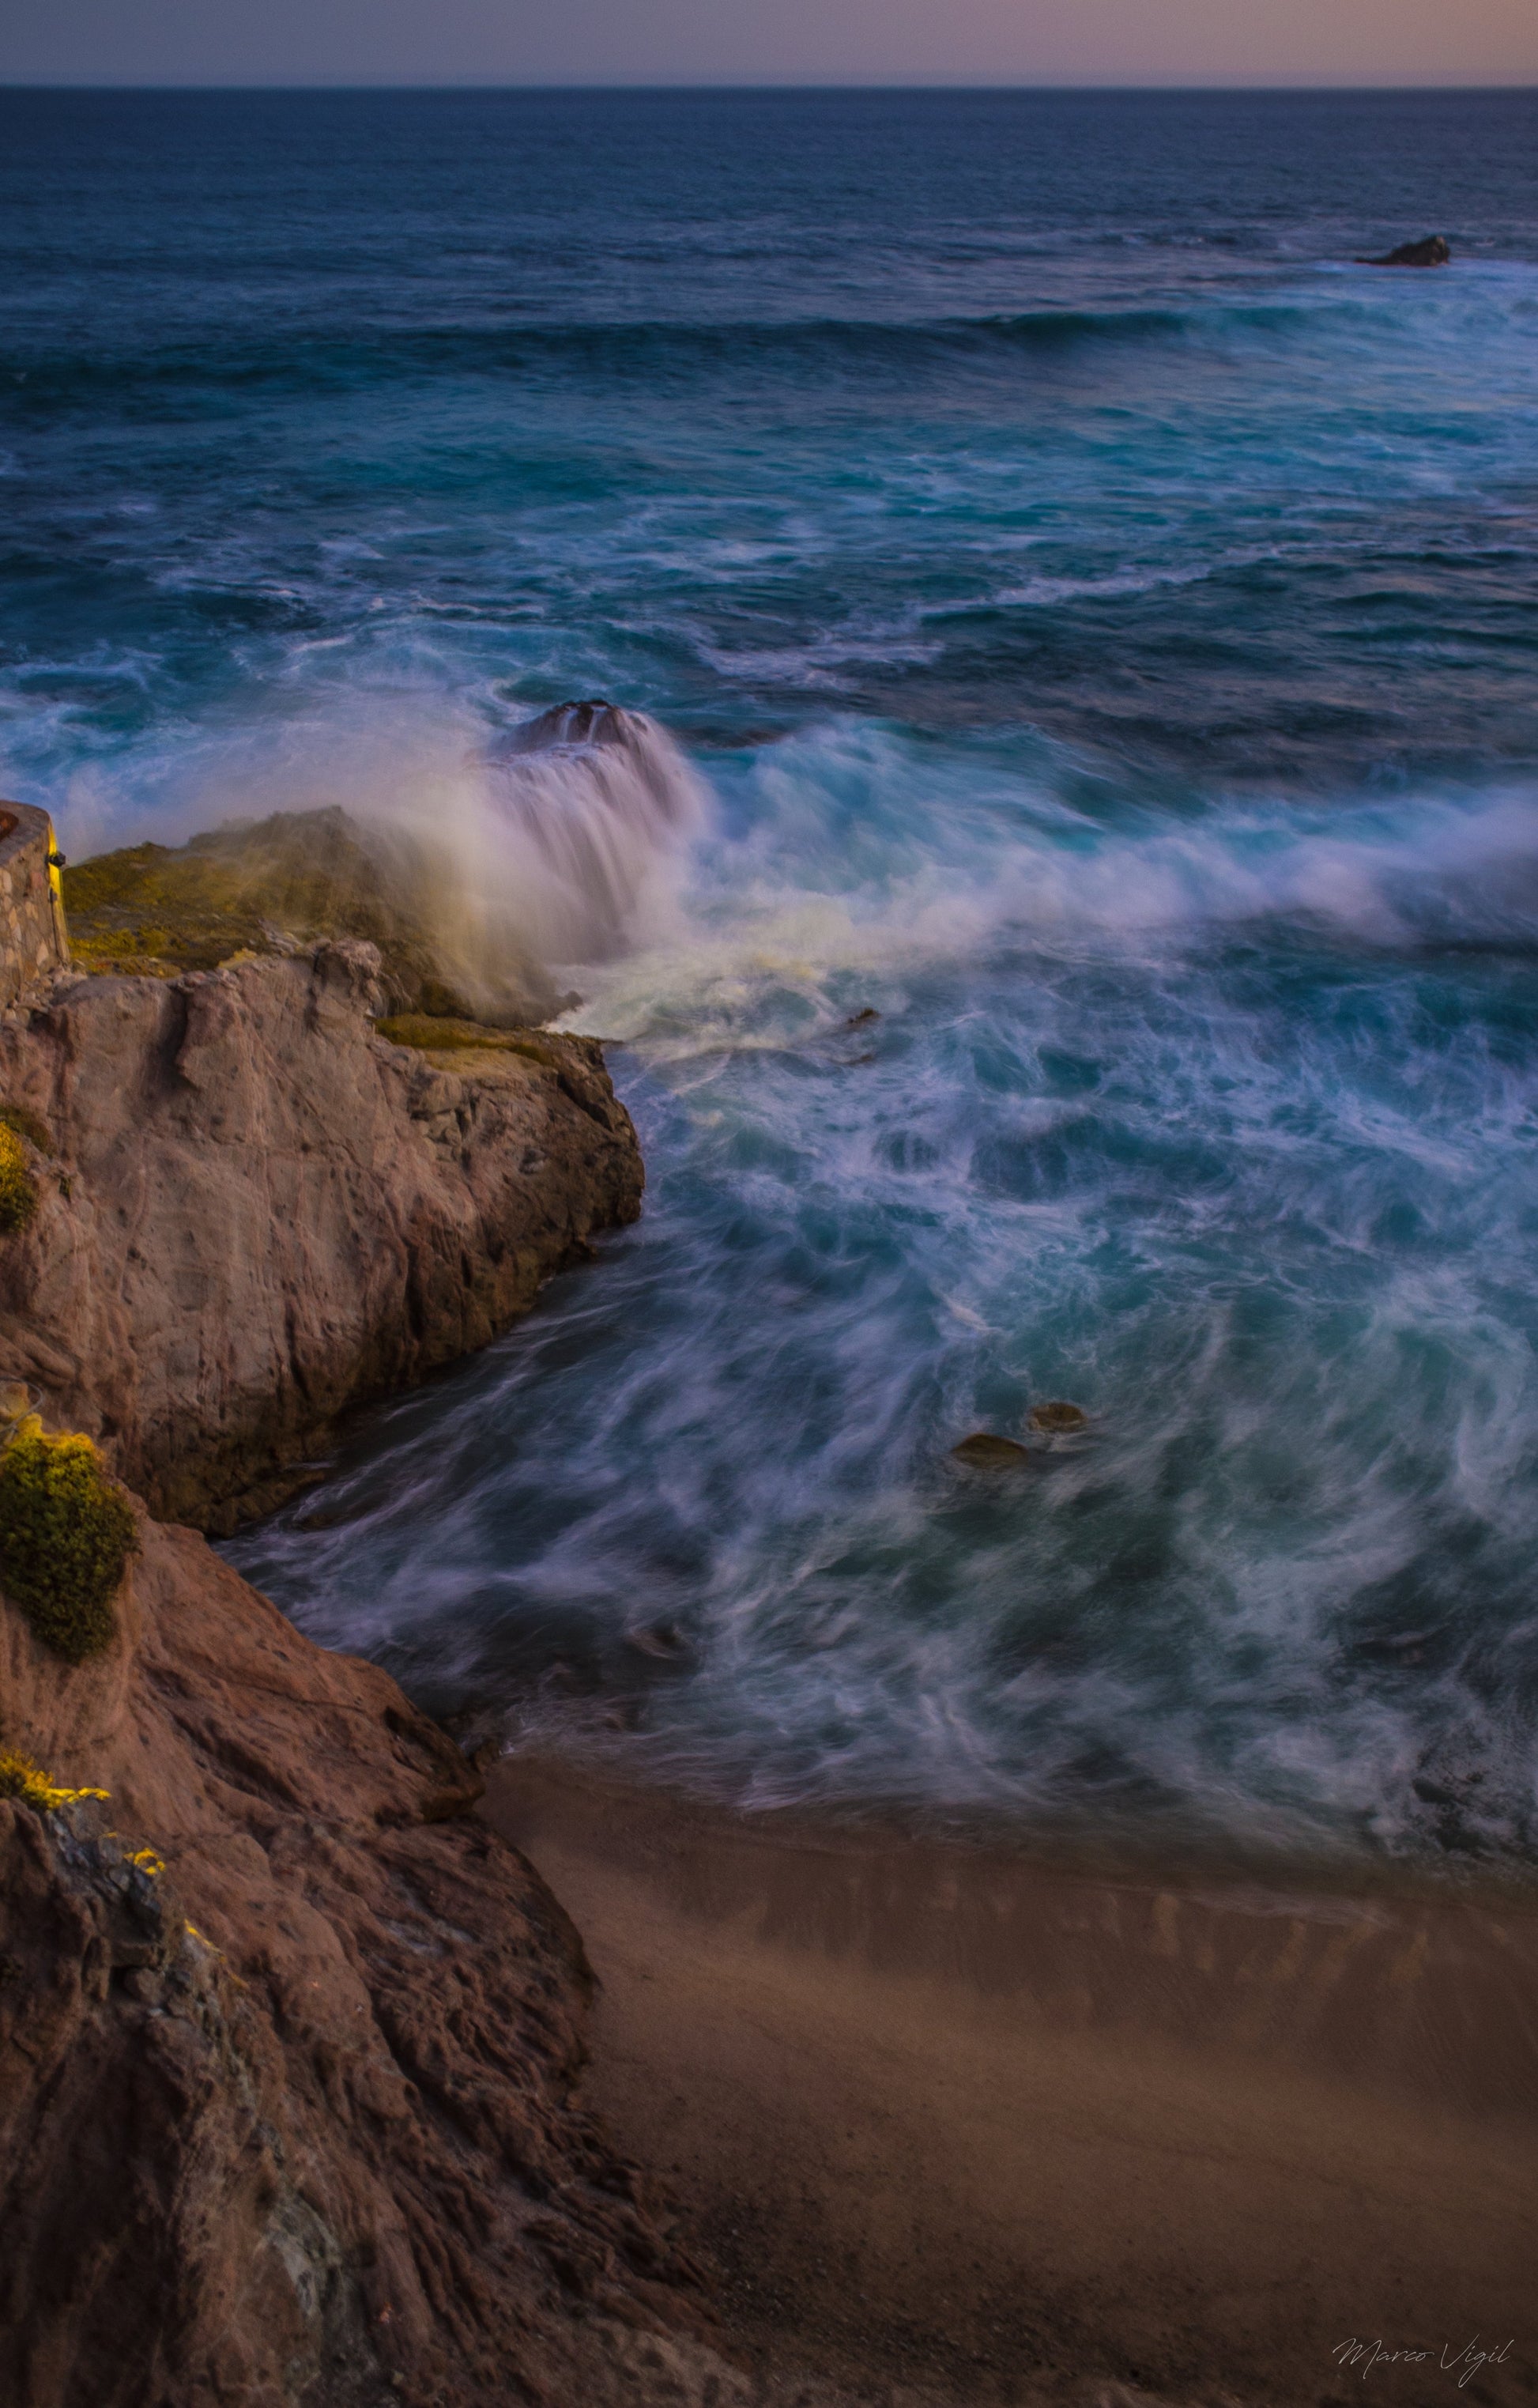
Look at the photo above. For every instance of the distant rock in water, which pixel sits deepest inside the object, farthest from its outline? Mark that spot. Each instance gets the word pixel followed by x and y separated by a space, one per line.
pixel 1431 250
pixel 1057 1419
pixel 985 1450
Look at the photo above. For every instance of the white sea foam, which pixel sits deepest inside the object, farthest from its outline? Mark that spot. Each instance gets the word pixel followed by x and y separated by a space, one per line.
pixel 860 855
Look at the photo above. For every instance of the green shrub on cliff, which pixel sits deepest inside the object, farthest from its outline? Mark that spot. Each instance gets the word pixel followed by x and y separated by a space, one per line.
pixel 18 1191
pixel 65 1537
pixel 29 1124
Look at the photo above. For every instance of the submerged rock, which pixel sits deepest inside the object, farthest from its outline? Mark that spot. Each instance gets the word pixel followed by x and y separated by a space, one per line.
pixel 1431 250
pixel 1057 1419
pixel 985 1450
pixel 663 1641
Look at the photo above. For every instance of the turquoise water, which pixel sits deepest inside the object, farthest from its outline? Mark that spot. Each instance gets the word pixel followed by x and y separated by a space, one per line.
pixel 1100 624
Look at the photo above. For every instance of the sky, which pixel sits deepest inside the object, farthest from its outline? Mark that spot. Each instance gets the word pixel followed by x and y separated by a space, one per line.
pixel 1221 42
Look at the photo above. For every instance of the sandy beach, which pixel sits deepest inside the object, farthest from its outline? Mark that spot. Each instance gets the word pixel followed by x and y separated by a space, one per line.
pixel 986 2125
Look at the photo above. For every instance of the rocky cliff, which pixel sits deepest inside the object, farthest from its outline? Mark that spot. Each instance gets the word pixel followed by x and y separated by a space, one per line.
pixel 286 2041
pixel 256 1212
pixel 287 2034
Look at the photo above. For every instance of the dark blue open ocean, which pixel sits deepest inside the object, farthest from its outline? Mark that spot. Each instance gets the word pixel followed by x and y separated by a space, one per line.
pixel 1100 626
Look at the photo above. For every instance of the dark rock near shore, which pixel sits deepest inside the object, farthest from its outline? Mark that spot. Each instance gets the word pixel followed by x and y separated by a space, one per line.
pixel 1433 251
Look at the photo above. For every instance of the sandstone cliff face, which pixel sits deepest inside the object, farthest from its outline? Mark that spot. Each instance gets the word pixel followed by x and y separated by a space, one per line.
pixel 31 924
pixel 260 1213
pixel 286 2123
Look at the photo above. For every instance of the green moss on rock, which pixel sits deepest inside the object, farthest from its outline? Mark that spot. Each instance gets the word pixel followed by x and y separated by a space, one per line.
pixel 165 909
pixel 278 886
pixel 66 1538
pixel 17 1189
pixel 429 1036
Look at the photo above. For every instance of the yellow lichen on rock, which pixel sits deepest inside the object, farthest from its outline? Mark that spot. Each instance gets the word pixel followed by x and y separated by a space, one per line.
pixel 66 1538
pixel 21 1779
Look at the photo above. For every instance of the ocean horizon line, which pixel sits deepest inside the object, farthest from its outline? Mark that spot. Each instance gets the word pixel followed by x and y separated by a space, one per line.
pixel 758 89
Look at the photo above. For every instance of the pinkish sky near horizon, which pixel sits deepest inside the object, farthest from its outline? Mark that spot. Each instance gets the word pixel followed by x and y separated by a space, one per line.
pixel 1137 42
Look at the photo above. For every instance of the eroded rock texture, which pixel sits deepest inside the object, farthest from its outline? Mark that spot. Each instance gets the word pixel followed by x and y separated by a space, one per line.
pixel 259 1212
pixel 288 2121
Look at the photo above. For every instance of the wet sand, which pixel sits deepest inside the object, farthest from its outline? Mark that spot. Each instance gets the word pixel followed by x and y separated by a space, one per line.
pixel 968 2122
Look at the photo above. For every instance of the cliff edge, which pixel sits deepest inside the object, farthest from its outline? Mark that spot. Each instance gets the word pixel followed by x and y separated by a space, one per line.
pixel 255 1211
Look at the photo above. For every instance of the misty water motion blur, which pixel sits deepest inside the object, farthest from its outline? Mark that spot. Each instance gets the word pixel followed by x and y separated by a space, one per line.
pixel 1071 906
pixel 588 811
pixel 558 843
pixel 564 845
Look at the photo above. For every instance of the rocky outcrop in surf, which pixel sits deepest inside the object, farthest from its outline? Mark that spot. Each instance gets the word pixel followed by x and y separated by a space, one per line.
pixel 257 1211
pixel 594 721
pixel 287 2037
pixel 588 811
